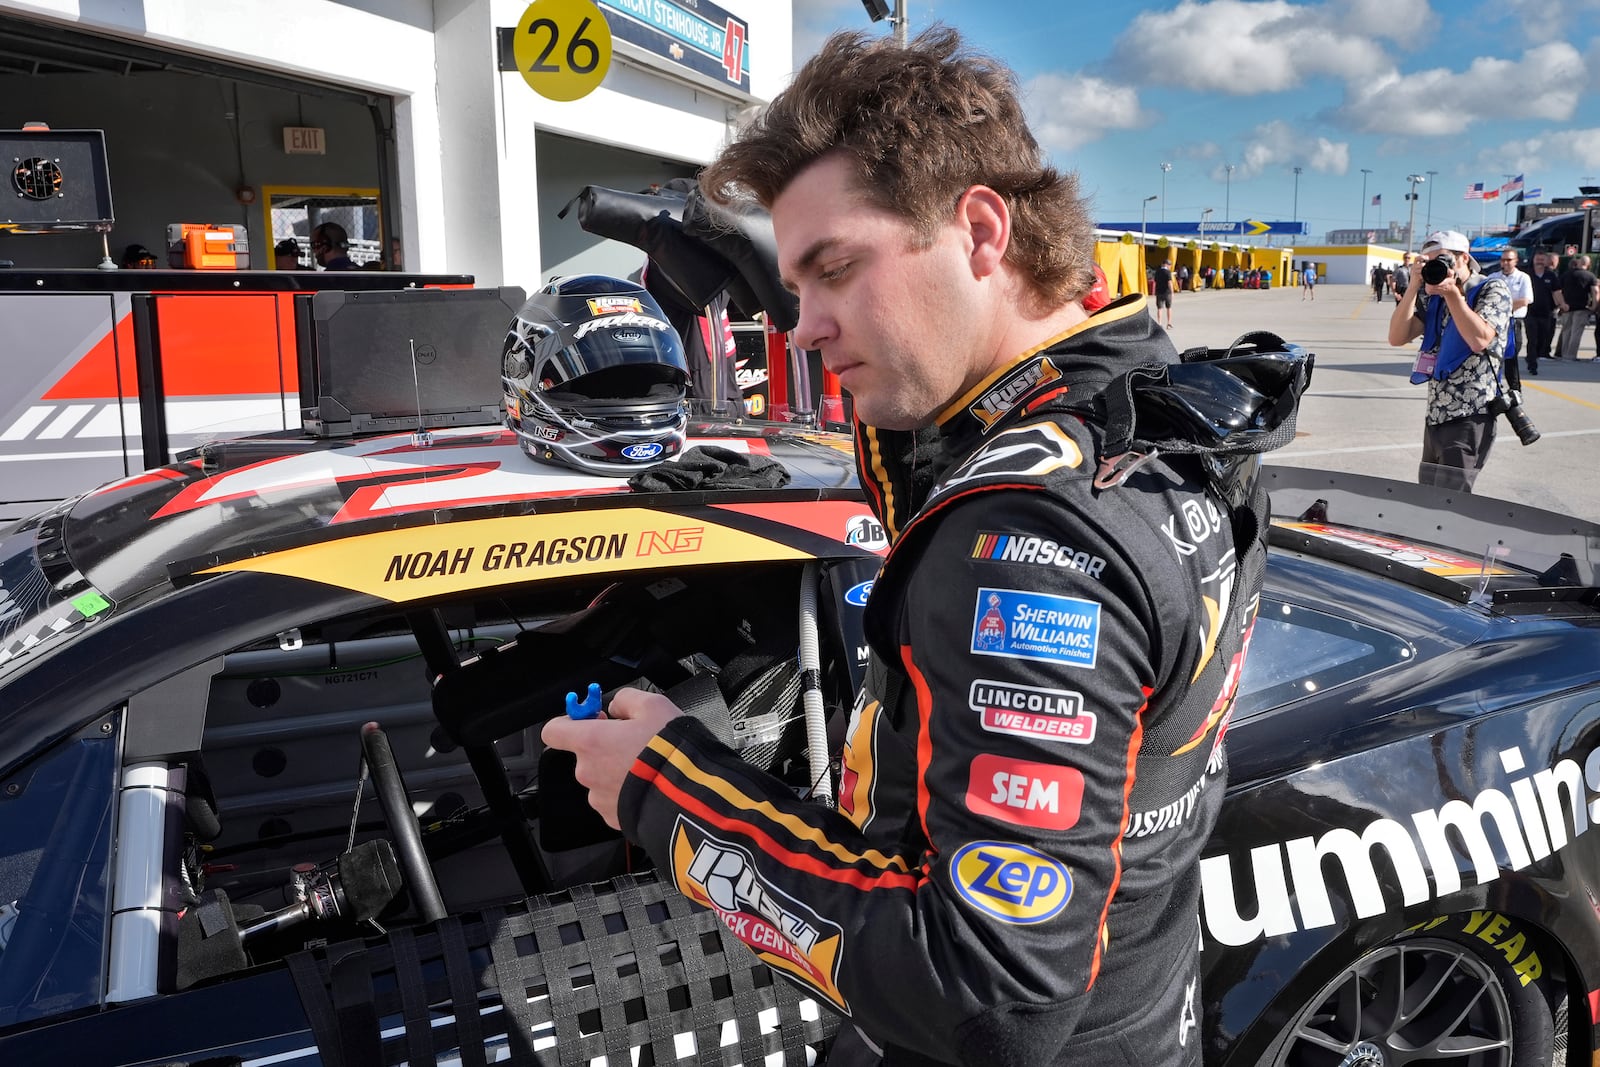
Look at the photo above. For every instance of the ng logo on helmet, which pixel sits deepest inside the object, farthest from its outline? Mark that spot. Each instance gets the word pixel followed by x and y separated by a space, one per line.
pixel 1009 882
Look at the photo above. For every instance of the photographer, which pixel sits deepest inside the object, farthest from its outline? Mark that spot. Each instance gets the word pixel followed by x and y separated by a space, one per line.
pixel 1463 325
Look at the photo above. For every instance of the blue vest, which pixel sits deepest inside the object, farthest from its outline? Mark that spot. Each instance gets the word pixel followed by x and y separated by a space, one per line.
pixel 1453 349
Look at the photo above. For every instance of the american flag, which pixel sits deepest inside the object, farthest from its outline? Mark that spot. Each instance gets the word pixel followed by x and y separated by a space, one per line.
pixel 1513 185
pixel 1378 199
pixel 1474 192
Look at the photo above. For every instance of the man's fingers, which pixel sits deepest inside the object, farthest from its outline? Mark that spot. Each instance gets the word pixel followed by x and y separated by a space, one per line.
pixel 562 732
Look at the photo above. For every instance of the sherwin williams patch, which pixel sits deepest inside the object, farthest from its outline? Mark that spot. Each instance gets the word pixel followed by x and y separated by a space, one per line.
pixel 1021 625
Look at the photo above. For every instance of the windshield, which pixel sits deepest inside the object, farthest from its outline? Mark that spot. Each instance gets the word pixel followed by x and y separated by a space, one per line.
pixel 42 597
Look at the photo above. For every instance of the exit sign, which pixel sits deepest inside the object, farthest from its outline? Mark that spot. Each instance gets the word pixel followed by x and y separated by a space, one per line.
pixel 304 141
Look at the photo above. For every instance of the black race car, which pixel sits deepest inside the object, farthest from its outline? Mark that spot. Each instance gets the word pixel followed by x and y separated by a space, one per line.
pixel 271 790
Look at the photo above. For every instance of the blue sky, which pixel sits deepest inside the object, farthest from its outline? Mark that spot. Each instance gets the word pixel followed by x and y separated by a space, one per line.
pixel 1477 91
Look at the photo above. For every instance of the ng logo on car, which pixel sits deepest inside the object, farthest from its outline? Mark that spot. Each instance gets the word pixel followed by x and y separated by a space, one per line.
pixel 1010 882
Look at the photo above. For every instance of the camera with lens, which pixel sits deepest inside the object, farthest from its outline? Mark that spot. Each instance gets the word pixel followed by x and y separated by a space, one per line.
pixel 1438 268
pixel 1509 404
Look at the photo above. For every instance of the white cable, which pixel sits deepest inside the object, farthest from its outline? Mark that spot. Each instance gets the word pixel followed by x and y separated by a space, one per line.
pixel 811 687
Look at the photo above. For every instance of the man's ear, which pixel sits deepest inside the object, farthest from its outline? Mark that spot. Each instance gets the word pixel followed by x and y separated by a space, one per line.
pixel 988 223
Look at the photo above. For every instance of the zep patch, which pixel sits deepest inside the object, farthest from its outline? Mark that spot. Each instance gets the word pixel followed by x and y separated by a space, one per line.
pixel 1010 882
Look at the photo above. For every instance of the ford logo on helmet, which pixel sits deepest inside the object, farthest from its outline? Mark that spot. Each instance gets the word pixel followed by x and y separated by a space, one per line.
pixel 648 450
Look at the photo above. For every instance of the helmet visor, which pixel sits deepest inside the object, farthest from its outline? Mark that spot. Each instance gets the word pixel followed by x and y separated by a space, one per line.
pixel 606 331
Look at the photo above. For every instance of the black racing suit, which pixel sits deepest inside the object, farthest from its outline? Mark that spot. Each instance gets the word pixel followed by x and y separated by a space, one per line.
pixel 1033 765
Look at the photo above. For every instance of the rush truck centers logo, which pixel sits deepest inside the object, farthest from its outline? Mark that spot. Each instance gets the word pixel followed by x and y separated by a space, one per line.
pixel 1003 396
pixel 783 932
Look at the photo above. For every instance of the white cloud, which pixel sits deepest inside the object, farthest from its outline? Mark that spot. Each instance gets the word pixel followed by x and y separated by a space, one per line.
pixel 1546 83
pixel 1245 47
pixel 1068 110
pixel 1528 155
pixel 1539 152
pixel 1278 145
pixel 1405 22
pixel 1583 147
pixel 1539 22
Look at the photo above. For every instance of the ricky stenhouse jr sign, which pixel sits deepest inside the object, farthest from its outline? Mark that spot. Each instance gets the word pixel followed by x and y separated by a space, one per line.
pixel 696 34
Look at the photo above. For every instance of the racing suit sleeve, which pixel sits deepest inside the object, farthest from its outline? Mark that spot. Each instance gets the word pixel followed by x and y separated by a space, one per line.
pixel 982 936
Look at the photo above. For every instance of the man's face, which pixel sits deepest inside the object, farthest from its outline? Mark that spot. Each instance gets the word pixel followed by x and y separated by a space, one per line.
pixel 321 248
pixel 900 324
pixel 1508 262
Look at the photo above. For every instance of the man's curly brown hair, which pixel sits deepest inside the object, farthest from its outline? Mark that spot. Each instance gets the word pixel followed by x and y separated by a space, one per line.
pixel 922 123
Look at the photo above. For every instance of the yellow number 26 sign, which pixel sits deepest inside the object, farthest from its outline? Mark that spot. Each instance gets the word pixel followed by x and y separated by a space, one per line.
pixel 562 48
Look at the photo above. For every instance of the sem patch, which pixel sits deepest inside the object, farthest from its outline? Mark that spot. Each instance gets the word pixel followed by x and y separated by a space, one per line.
pixel 1016 624
pixel 1044 796
pixel 1009 882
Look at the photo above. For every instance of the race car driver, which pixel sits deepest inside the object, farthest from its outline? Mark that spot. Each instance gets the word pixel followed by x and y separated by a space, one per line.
pixel 1010 876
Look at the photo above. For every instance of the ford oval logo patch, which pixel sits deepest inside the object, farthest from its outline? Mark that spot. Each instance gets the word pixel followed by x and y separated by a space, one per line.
pixel 1010 882
pixel 644 451
pixel 857 594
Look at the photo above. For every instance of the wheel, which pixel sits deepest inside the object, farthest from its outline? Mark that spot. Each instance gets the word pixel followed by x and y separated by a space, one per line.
pixel 1445 998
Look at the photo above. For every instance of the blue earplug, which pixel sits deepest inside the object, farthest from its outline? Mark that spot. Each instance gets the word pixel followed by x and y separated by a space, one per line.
pixel 588 708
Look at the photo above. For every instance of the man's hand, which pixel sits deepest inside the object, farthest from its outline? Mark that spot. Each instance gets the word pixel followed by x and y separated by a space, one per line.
pixel 1450 287
pixel 606 748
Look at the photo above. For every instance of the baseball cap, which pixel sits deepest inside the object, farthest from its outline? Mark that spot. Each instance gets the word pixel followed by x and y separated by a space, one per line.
pixel 1449 240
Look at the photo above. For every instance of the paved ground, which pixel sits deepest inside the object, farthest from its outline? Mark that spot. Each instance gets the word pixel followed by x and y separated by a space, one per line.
pixel 1363 415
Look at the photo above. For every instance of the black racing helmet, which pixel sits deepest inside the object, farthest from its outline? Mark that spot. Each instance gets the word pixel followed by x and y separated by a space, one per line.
pixel 595 377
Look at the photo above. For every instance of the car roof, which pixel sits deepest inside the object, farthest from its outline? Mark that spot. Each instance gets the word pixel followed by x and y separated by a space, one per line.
pixel 241 498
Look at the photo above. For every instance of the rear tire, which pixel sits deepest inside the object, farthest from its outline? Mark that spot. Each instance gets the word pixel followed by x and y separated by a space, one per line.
pixel 1444 997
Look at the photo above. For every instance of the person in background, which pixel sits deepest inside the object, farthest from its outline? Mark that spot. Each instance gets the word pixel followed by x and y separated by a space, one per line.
pixel 286 255
pixel 1540 322
pixel 1520 286
pixel 1400 277
pixel 1463 326
pixel 329 244
pixel 138 257
pixel 940 263
pixel 1162 282
pixel 1579 288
